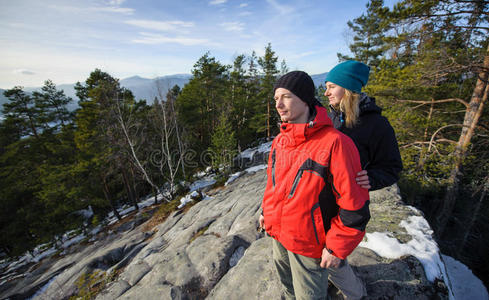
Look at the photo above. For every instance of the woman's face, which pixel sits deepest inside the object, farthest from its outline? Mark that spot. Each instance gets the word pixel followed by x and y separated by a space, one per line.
pixel 334 93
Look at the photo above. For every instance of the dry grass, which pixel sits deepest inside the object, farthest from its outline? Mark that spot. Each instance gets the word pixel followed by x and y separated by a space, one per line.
pixel 164 210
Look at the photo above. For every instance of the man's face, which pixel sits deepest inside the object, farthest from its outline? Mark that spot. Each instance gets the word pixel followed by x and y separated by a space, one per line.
pixel 290 107
pixel 334 93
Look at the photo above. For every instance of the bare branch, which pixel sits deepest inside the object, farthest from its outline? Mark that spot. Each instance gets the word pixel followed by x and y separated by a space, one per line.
pixel 424 143
pixel 461 12
pixel 422 102
pixel 440 129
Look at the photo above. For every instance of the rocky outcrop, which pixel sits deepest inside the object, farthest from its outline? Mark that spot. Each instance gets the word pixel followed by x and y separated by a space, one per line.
pixel 213 250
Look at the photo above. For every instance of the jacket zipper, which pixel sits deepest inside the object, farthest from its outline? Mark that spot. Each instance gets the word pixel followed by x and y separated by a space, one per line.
pixel 273 167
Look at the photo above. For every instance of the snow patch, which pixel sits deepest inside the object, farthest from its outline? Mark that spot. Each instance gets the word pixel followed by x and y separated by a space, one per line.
pixel 233 177
pixel 43 289
pixel 422 246
pixel 465 285
pixel 256 168
pixel 202 183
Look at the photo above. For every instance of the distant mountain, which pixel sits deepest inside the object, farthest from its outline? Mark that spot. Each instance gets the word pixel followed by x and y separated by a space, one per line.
pixel 142 88
pixel 319 79
pixel 148 89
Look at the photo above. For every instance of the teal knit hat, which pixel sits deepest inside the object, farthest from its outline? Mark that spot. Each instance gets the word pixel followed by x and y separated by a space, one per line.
pixel 351 75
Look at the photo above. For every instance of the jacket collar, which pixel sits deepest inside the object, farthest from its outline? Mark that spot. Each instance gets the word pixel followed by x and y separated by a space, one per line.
pixel 295 134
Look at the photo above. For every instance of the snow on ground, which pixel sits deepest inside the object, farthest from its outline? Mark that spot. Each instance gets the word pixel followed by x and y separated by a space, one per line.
pixel 465 285
pixel 202 183
pixel 235 176
pixel 424 248
pixel 256 168
pixel 43 288
pixel 250 152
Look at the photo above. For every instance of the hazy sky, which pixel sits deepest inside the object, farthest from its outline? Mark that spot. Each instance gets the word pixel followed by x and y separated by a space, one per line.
pixel 64 40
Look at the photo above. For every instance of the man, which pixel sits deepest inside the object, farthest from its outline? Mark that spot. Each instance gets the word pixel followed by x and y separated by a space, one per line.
pixel 313 208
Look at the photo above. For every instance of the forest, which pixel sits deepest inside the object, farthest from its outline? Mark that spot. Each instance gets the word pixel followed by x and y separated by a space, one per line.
pixel 429 72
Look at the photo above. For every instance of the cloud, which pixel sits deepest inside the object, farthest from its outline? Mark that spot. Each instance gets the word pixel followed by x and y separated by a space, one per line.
pixel 217 2
pixel 152 39
pixel 78 10
pixel 302 54
pixel 116 2
pixel 243 5
pixel 24 72
pixel 233 26
pixel 282 9
pixel 114 9
pixel 160 26
pixel 245 13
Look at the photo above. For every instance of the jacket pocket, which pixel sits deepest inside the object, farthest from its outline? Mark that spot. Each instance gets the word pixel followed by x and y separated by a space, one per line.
pixel 297 179
pixel 311 167
pixel 317 224
pixel 316 206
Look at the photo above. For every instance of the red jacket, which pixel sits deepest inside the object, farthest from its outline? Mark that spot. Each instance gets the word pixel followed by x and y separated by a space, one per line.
pixel 312 200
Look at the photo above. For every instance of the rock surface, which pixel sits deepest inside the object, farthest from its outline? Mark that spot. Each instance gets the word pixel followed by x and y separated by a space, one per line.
pixel 213 250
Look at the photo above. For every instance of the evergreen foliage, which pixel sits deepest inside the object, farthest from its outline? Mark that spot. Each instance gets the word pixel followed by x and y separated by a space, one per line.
pixel 431 66
pixel 113 149
pixel 223 147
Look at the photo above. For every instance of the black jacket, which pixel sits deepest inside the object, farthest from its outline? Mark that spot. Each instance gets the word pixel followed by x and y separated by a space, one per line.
pixel 376 142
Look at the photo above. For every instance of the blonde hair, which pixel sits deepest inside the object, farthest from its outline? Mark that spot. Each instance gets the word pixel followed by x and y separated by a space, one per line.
pixel 350 106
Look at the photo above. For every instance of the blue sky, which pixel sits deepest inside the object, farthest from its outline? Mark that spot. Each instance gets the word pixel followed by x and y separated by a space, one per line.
pixel 64 40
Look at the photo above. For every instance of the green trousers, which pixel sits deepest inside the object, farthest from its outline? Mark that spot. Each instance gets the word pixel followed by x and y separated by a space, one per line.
pixel 302 277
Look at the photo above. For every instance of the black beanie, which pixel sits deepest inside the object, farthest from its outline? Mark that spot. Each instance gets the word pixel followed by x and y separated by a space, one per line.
pixel 299 83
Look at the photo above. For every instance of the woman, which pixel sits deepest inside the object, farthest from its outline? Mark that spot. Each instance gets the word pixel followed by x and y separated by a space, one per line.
pixel 356 115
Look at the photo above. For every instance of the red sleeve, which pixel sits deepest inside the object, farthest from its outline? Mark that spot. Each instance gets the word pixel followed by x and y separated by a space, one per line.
pixel 345 233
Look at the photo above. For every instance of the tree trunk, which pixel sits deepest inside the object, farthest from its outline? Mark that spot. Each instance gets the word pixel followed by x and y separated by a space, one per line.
pixel 424 152
pixel 129 189
pixel 133 187
pixel 474 216
pixel 156 195
pixel 268 120
pixel 109 199
pixel 472 115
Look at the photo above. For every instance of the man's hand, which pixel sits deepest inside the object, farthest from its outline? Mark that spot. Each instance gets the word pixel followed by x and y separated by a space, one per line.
pixel 262 222
pixel 362 179
pixel 329 260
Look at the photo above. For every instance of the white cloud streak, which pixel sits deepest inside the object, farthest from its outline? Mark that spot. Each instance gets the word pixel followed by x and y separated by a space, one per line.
pixel 116 2
pixel 153 39
pixel 109 9
pixel 160 26
pixel 217 2
pixel 282 9
pixel 24 72
pixel 233 26
pixel 115 9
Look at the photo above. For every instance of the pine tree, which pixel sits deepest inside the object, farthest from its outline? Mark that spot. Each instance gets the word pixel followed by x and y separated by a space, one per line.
pixel 223 147
pixel 98 136
pixel 21 109
pixel 368 41
pixel 52 104
pixel 266 119
pixel 201 101
pixel 240 107
pixel 435 67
